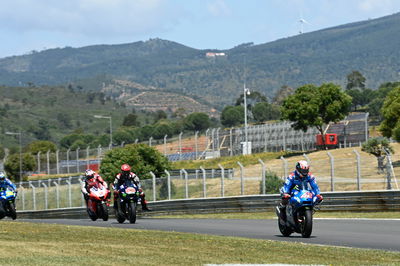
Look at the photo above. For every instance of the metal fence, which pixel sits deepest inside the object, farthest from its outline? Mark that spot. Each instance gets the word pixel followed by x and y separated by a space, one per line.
pixel 353 171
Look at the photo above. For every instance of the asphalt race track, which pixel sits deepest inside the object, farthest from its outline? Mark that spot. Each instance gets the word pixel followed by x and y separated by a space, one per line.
pixel 359 233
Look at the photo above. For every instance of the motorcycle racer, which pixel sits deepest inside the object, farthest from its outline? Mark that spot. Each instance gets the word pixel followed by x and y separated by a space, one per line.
pixel 299 175
pixel 4 184
pixel 91 178
pixel 119 180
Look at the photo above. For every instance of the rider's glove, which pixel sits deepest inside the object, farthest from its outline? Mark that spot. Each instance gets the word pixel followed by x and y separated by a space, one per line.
pixel 285 196
pixel 320 198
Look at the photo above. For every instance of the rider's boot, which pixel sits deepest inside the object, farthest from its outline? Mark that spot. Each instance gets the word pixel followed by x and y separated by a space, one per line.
pixel 144 204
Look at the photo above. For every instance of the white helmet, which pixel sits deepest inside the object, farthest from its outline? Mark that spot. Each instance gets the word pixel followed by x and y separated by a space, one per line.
pixel 302 168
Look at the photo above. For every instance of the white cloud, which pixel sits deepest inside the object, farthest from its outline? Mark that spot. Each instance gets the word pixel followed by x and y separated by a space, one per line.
pixel 218 8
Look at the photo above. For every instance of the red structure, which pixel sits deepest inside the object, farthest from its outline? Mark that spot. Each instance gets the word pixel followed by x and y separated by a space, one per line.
pixel 331 141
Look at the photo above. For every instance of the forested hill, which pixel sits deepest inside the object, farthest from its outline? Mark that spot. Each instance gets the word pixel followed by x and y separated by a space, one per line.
pixel 371 47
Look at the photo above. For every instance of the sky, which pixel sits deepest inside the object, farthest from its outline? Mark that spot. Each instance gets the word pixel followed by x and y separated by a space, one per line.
pixel 27 25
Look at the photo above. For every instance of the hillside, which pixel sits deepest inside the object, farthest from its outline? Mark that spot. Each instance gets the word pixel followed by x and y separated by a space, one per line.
pixel 322 56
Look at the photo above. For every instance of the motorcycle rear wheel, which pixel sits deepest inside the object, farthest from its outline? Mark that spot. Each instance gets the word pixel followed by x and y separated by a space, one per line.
pixel 13 212
pixel 306 225
pixel 132 212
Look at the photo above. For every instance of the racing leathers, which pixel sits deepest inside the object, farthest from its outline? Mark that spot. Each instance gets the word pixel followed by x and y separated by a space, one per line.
pixel 91 181
pixel 4 184
pixel 120 179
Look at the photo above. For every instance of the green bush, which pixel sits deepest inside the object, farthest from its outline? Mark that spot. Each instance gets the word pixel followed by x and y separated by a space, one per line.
pixel 140 157
pixel 11 166
pixel 272 183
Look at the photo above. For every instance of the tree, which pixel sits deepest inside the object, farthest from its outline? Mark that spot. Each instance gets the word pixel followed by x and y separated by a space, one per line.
pixel 42 132
pixel 282 94
pixel 272 183
pixel 391 114
pixel 41 145
pixel 159 115
pixel 264 111
pixel 378 98
pixel 251 99
pixel 140 157
pixel 232 116
pixel 197 121
pixel 131 120
pixel 123 136
pixel 312 106
pixel 376 147
pixel 11 166
pixel 161 129
pixel 355 80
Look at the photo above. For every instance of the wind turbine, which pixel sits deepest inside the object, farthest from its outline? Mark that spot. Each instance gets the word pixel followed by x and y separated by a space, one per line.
pixel 302 21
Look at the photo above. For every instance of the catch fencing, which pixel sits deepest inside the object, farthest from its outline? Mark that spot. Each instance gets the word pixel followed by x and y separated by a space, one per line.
pixel 350 171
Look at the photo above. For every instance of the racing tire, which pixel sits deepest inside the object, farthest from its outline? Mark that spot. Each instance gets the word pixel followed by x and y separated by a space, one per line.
pixel 120 215
pixel 12 211
pixel 306 226
pixel 104 211
pixel 285 231
pixel 132 212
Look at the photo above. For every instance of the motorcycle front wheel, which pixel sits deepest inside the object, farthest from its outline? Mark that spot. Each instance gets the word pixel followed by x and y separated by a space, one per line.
pixel 13 212
pixel 120 214
pixel 104 211
pixel 306 225
pixel 285 231
pixel 132 212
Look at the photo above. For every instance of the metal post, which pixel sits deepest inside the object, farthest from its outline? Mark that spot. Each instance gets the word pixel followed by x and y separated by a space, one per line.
pixel 150 140
pixel 285 167
pixel 38 161
pixel 23 196
pixel 204 182
pixel 213 141
pixel 33 196
pixel 136 141
pixel 332 162
pixel 245 91
pixel 46 206
pixel 241 179
pixel 390 170
pixel 230 142
pixel 48 161
pixel 57 194
pixel 168 183
pixel 307 158
pixel 366 126
pixel 196 134
pixel 186 183
pixel 69 192
pixel 77 159
pixel 87 157
pixel 154 185
pixel 58 161
pixel 222 180
pixel 99 152
pixel 180 146
pixel 262 176
pixel 165 145
pixel 68 151
pixel 218 144
pixel 358 169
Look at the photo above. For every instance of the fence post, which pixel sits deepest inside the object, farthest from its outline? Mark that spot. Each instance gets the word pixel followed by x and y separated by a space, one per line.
pixel 58 161
pixel 332 163
pixel 48 161
pixel 180 146
pixel 241 179
pixel 136 141
pixel 358 170
pixel 45 196
pixel 99 152
pixel 218 144
pixel 390 170
pixel 222 180
pixel 77 159
pixel 150 140
pixel 285 167
pixel 23 197
pixel 262 176
pixel 165 145
pixel 154 185
pixel 87 157
pixel 69 192
pixel 38 161
pixel 168 183
pixel 186 183
pixel 230 141
pixel 68 151
pixel 33 196
pixel 213 141
pixel 196 144
pixel 57 194
pixel 307 158
pixel 204 182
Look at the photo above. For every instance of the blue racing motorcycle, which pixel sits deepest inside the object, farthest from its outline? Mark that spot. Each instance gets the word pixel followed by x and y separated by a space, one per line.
pixel 298 216
pixel 127 202
pixel 7 203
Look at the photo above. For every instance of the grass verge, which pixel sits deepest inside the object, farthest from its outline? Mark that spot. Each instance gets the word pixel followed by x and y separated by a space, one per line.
pixel 43 244
pixel 272 215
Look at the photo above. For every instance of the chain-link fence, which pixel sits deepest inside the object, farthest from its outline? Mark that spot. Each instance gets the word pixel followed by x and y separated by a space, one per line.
pixel 335 170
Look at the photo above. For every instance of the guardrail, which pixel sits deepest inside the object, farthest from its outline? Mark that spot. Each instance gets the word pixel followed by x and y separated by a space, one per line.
pixel 333 201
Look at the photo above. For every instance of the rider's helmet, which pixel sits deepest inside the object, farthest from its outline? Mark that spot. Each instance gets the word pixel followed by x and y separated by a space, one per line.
pixel 89 173
pixel 2 177
pixel 302 168
pixel 125 167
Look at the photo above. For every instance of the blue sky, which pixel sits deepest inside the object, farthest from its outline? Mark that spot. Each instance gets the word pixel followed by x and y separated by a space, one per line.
pixel 27 25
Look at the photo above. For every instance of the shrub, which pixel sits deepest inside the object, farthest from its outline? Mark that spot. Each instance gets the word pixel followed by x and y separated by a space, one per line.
pixel 272 183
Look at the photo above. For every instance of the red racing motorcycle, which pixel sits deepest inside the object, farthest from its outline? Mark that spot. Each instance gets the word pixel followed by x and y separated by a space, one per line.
pixel 98 202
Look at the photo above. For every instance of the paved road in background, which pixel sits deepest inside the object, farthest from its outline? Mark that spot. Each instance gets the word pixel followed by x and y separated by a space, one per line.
pixel 363 233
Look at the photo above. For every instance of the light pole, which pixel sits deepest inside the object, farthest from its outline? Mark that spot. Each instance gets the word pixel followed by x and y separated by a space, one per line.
pixel 246 91
pixel 107 117
pixel 20 151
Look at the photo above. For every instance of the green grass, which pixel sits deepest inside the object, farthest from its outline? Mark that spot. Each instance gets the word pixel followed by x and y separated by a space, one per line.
pixel 271 215
pixel 229 162
pixel 50 244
